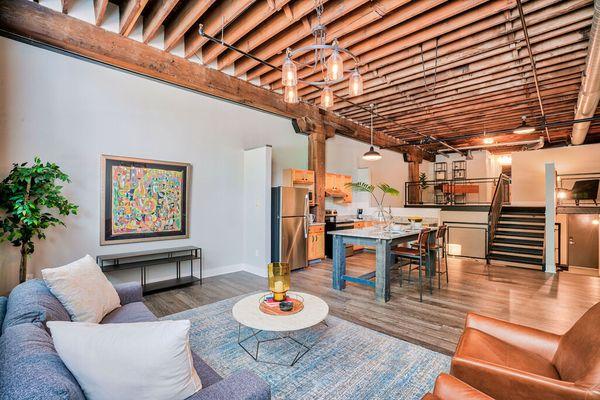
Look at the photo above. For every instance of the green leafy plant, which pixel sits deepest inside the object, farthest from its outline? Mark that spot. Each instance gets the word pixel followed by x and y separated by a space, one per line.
pixel 423 180
pixel 368 188
pixel 29 201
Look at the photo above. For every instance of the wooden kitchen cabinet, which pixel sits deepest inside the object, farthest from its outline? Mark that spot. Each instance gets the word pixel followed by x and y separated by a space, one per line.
pixel 347 191
pixel 302 178
pixel 336 183
pixel 316 242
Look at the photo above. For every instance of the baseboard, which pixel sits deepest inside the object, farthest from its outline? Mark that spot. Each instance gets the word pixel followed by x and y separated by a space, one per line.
pixel 228 269
pixel 256 270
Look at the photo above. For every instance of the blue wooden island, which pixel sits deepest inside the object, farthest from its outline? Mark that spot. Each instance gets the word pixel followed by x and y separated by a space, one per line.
pixel 383 243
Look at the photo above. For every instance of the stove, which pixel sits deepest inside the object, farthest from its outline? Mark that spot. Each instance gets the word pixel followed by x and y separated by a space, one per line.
pixel 332 224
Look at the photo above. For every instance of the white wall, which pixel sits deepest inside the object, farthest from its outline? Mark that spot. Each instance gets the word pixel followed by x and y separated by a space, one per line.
pixel 528 169
pixel 70 112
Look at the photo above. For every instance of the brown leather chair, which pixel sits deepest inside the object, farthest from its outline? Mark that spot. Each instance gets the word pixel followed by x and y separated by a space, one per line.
pixel 510 361
pixel 449 388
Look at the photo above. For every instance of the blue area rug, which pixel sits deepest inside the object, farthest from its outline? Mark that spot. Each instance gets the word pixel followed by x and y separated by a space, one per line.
pixel 347 361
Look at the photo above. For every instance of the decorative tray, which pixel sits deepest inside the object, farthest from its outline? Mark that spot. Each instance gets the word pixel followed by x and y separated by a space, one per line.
pixel 270 307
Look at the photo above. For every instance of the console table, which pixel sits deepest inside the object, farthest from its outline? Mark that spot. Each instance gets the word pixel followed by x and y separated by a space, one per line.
pixel 154 258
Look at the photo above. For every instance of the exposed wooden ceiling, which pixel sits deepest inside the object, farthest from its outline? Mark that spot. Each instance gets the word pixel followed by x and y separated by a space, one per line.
pixel 434 68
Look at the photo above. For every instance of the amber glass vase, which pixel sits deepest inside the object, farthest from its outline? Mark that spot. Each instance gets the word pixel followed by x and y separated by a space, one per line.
pixel 279 280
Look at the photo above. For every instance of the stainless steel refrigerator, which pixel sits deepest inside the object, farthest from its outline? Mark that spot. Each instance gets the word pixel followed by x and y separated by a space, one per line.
pixel 289 226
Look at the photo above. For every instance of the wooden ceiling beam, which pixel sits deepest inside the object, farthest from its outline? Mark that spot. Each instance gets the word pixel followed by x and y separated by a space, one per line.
pixel 214 22
pixel 100 11
pixel 129 12
pixel 474 40
pixel 466 90
pixel 333 10
pixel 349 23
pixel 469 48
pixel 40 24
pixel 263 32
pixel 159 11
pixel 255 16
pixel 186 17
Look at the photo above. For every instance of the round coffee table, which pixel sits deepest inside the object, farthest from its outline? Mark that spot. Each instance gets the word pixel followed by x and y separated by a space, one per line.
pixel 247 313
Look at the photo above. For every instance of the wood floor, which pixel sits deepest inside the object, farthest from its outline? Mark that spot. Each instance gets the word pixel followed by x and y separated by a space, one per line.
pixel 545 301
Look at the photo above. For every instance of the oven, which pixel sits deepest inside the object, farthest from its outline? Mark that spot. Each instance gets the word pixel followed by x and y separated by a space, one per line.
pixel 331 224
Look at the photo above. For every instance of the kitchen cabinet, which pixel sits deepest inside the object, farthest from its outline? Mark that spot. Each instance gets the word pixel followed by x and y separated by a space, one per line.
pixel 302 178
pixel 335 186
pixel 316 242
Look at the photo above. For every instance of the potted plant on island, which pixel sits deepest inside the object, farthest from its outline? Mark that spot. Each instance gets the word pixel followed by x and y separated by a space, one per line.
pixel 384 216
pixel 29 201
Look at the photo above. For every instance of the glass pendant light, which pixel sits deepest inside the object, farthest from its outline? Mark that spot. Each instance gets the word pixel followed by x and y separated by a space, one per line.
pixel 290 94
pixel 335 64
pixel 289 73
pixel 371 155
pixel 327 97
pixel 355 83
pixel 524 129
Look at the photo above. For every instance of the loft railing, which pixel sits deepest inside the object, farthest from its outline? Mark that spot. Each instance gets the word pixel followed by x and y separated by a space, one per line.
pixel 472 191
pixel 501 196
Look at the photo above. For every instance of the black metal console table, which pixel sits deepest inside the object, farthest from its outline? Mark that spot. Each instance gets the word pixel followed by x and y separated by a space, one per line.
pixel 150 258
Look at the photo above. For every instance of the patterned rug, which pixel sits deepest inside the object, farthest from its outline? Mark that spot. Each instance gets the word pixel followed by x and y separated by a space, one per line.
pixel 347 361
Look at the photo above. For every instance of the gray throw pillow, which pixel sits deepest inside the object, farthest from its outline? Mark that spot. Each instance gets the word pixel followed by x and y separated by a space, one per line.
pixel 31 369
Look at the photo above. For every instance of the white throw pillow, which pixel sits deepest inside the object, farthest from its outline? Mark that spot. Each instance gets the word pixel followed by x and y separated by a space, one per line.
pixel 143 360
pixel 82 289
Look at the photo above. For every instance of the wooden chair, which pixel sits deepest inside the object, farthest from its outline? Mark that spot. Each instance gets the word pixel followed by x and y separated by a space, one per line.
pixel 441 253
pixel 419 253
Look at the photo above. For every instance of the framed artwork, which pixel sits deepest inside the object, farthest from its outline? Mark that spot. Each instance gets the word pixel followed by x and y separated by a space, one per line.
pixel 143 200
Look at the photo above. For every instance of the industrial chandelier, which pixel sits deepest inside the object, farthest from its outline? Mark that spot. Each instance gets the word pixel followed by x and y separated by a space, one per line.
pixel 327 58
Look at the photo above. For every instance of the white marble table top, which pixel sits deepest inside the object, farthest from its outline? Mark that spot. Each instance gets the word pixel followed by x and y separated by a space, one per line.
pixel 247 313
pixel 375 233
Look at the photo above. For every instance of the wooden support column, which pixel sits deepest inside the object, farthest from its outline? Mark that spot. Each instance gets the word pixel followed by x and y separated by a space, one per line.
pixel 413 158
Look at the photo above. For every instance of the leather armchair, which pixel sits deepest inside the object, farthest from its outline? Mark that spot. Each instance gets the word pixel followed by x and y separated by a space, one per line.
pixel 449 388
pixel 510 361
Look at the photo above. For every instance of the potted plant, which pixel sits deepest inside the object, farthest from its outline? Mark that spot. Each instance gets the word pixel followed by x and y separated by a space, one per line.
pixel 30 198
pixel 422 185
pixel 384 216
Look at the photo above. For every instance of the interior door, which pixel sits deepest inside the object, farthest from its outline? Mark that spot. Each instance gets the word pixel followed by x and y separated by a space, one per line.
pixel 582 240
pixel 293 242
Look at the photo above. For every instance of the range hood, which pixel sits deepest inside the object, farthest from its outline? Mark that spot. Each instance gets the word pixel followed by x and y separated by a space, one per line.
pixel 334 193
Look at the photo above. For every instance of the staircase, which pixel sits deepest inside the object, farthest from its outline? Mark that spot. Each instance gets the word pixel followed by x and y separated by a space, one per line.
pixel 518 237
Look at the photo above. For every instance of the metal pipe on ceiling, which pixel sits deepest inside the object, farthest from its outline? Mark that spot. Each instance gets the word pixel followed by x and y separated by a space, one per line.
pixel 507 144
pixel 532 62
pixel 589 93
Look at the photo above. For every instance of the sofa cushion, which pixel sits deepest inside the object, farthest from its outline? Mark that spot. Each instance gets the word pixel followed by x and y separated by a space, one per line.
pixel 577 358
pixel 31 301
pixel 31 369
pixel 132 312
pixel 83 290
pixel 3 301
pixel 478 345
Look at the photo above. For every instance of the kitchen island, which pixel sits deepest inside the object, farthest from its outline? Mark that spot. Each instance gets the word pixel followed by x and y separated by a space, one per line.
pixel 383 243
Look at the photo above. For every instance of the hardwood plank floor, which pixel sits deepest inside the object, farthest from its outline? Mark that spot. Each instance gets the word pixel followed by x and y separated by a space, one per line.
pixel 544 301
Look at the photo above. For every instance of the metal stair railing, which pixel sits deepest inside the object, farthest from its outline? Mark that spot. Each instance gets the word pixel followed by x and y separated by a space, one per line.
pixel 501 197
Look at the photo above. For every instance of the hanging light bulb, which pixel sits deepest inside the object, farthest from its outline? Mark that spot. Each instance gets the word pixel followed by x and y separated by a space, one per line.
pixel 488 140
pixel 371 155
pixel 335 64
pixel 289 73
pixel 327 97
pixel 524 129
pixel 355 83
pixel 290 94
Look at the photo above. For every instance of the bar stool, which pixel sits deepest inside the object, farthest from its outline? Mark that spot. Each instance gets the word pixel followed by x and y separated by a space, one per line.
pixel 441 253
pixel 421 254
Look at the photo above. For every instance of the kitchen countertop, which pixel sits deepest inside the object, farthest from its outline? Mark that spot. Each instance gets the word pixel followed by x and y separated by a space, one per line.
pixel 372 233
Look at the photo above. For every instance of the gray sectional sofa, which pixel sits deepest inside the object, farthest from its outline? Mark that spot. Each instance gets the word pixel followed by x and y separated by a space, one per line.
pixel 30 367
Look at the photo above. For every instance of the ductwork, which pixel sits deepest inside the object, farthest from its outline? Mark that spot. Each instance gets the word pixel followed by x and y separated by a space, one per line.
pixel 589 93
pixel 527 145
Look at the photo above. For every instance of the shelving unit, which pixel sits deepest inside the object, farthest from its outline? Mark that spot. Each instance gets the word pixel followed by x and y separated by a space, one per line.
pixel 440 175
pixel 459 174
pixel 153 258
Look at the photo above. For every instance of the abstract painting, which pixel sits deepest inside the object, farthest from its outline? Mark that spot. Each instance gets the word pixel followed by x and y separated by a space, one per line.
pixel 143 200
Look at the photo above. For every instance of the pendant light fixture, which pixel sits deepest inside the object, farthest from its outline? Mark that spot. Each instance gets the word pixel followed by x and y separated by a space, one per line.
pixel 355 84
pixel 486 139
pixel 327 58
pixel 327 97
pixel 524 129
pixel 290 94
pixel 371 155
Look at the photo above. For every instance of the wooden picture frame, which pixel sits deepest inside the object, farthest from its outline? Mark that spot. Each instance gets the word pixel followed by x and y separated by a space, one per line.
pixel 156 209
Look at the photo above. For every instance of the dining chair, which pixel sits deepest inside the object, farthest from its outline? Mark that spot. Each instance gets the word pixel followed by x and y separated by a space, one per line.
pixel 420 254
pixel 441 253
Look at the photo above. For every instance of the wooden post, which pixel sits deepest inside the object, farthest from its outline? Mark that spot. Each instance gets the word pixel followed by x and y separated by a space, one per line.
pixel 413 160
pixel 316 162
